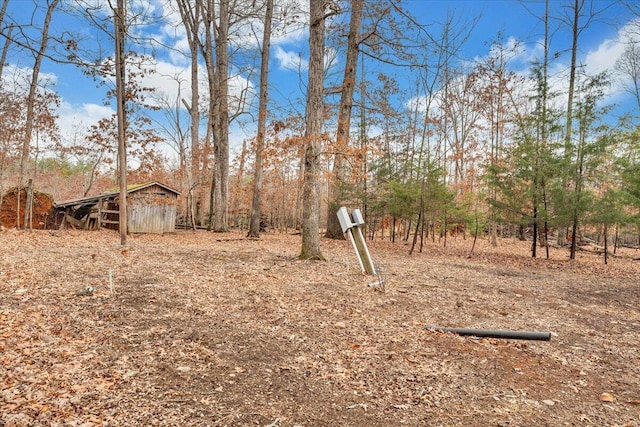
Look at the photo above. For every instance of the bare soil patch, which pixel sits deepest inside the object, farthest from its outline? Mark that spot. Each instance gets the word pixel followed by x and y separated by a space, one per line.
pixel 203 329
pixel 40 209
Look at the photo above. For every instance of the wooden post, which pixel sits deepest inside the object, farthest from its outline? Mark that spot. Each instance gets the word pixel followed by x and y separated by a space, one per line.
pixel 28 206
pixel 99 222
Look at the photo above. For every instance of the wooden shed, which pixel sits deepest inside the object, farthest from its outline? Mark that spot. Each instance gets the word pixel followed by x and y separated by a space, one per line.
pixel 151 208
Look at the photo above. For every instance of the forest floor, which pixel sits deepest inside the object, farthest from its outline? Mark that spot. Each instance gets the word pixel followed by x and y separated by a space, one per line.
pixel 204 329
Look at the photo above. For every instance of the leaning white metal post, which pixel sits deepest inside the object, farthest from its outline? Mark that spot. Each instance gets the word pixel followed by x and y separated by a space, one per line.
pixel 347 225
pixel 361 243
pixel 349 233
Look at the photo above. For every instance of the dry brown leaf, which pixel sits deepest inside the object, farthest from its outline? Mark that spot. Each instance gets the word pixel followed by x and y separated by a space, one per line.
pixel 607 397
pixel 298 338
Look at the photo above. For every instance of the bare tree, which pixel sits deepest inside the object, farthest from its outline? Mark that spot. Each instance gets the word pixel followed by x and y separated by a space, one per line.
pixel 541 144
pixel 634 7
pixel 628 65
pixel 119 28
pixel 336 182
pixel 313 133
pixel 3 59
pixel 220 181
pixel 11 126
pixel 31 100
pixel 254 222
pixel 5 49
pixel 578 5
pixel 192 19
pixel 578 10
pixel 3 10
pixel 215 52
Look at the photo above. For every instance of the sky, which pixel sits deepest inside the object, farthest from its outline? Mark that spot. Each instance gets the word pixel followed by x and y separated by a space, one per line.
pixel 513 22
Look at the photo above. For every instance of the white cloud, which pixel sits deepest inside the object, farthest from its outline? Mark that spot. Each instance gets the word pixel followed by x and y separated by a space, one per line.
pixel 173 82
pixel 289 60
pixel 18 79
pixel 604 57
pixel 75 120
pixel 608 52
pixel 169 80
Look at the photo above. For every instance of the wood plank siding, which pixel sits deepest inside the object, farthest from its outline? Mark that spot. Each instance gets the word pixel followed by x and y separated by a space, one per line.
pixel 152 208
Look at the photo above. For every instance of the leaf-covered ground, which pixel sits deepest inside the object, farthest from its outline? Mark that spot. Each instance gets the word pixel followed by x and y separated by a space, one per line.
pixel 203 329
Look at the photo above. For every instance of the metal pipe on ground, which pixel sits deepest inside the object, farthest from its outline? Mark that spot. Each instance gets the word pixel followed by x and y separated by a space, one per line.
pixel 494 333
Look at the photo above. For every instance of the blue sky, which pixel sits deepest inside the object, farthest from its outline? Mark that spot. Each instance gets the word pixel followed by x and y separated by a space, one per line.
pixel 82 102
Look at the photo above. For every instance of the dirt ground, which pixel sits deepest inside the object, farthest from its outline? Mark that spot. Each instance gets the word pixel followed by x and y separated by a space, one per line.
pixel 40 209
pixel 204 329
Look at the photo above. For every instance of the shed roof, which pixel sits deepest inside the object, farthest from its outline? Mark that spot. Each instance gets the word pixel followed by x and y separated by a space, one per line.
pixel 132 188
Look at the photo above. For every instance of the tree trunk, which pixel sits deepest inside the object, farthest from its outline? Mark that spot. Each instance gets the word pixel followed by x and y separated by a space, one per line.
pixel 28 206
pixel 572 82
pixel 606 244
pixel 3 59
pixel 534 237
pixel 5 49
pixel 577 196
pixel 415 234
pixel 336 183
pixel 191 19
pixel 314 112
pixel 120 95
pixel 254 222
pixel 212 79
pixel 236 208
pixel 539 180
pixel 393 230
pixel 221 131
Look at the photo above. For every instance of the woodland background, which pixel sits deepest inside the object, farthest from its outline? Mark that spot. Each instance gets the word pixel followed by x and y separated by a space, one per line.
pixel 480 149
